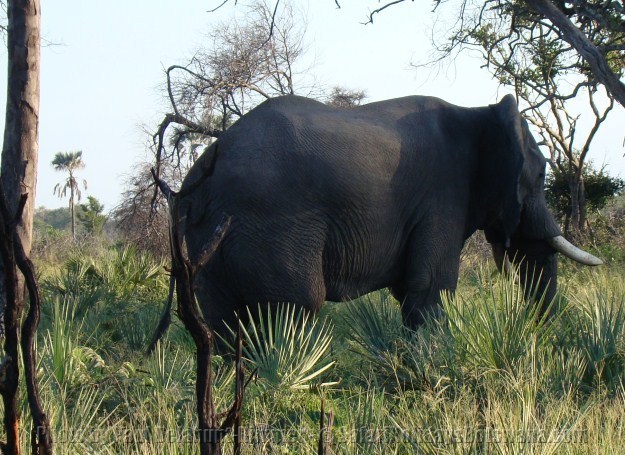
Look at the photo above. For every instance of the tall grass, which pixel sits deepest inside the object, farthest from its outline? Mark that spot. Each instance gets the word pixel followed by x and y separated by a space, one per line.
pixel 489 376
pixel 596 329
pixel 117 293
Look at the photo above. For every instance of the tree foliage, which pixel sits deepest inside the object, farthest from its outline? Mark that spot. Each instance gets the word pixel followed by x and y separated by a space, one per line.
pixel 68 162
pixel 592 31
pixel 59 219
pixel 91 216
pixel 600 187
pixel 520 45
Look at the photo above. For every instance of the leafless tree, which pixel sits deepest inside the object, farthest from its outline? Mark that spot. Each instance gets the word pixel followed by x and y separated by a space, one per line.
pixel 345 98
pixel 141 219
pixel 568 150
pixel 578 22
pixel 247 63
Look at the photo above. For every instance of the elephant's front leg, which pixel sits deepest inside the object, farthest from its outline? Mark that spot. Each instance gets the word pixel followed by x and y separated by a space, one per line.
pixel 430 271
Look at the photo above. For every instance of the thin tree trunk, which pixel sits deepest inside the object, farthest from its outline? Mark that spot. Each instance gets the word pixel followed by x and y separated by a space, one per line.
pixel 582 205
pixel 71 212
pixel 567 222
pixel 574 194
pixel 9 385
pixel 576 222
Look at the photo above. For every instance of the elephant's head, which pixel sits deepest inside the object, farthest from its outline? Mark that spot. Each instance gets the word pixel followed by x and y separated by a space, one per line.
pixel 519 225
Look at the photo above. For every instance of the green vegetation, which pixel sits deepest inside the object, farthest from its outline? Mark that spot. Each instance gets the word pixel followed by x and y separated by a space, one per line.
pixel 46 219
pixel 288 349
pixel 599 190
pixel 489 377
pixel 91 217
pixel 53 225
pixel 69 162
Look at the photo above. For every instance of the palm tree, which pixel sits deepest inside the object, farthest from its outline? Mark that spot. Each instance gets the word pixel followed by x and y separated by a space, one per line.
pixel 69 162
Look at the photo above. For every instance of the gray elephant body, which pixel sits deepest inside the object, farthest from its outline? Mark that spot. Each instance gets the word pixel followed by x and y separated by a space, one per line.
pixel 329 204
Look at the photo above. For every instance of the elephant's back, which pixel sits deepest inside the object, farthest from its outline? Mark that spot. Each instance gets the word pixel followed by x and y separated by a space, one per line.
pixel 297 141
pixel 298 153
pixel 297 161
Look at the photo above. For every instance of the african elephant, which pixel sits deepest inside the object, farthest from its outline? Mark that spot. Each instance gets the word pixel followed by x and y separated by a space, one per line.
pixel 330 204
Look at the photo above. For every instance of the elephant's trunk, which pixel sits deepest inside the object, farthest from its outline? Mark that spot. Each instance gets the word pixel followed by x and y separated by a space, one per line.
pixel 536 264
pixel 501 258
pixel 538 274
pixel 535 267
pixel 565 247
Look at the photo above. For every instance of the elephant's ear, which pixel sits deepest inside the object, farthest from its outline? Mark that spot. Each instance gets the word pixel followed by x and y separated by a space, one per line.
pixel 509 143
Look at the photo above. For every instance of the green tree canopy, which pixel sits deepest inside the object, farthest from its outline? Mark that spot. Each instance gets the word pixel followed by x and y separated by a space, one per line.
pixel 600 187
pixel 91 217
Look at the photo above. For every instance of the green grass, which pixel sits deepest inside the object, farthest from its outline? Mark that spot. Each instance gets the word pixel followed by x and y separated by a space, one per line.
pixel 490 376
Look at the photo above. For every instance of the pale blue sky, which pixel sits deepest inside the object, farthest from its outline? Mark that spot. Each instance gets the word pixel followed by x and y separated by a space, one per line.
pixel 102 72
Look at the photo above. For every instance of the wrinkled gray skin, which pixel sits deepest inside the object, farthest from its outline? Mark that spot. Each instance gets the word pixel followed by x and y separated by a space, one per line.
pixel 329 204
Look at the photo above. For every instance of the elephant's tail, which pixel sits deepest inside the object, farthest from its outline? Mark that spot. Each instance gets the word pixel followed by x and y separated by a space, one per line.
pixel 165 321
pixel 207 167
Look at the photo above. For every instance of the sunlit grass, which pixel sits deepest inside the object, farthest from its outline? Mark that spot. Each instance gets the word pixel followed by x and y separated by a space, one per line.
pixel 490 376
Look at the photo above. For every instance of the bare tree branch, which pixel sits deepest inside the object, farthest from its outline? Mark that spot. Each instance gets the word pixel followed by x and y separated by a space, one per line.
pixel 246 64
pixel 382 8
pixel 574 36
pixel 218 7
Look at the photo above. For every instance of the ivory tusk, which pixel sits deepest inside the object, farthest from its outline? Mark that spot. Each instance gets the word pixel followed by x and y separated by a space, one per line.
pixel 565 247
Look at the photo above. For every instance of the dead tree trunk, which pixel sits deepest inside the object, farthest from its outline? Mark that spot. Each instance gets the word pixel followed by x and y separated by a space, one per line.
pixel 18 178
pixel 9 369
pixel 14 258
pixel 21 133
pixel 210 431
pixel 18 173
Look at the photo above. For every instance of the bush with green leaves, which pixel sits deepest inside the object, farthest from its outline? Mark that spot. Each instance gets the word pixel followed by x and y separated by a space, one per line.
pixel 119 292
pixel 599 187
pixel 91 217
